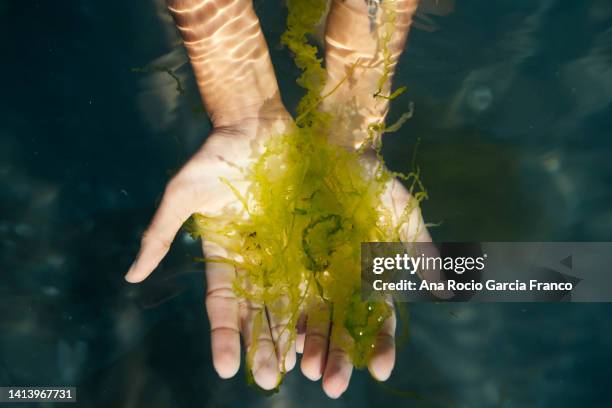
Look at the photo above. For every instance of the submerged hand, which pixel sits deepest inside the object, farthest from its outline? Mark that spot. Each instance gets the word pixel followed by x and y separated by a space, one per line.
pixel 197 188
pixel 233 69
pixel 354 64
pixel 322 356
pixel 236 80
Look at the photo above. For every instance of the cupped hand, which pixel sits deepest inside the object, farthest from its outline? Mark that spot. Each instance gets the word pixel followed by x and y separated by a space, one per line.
pixel 322 356
pixel 356 99
pixel 353 59
pixel 198 188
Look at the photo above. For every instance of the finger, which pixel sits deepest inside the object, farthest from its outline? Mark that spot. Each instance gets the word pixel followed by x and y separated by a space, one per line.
pixel 260 349
pixel 338 368
pixel 301 334
pixel 413 231
pixel 355 62
pixel 280 318
pixel 222 309
pixel 158 237
pixel 316 341
pixel 383 357
pixel 405 212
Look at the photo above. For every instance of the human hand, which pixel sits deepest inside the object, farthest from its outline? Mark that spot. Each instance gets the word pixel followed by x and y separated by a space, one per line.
pixel 236 80
pixel 198 188
pixel 233 145
pixel 358 103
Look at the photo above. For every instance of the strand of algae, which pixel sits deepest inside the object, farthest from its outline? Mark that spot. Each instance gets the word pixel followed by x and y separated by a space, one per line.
pixel 309 207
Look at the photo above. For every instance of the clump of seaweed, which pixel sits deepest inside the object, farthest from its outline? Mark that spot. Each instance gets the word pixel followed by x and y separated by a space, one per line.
pixel 309 207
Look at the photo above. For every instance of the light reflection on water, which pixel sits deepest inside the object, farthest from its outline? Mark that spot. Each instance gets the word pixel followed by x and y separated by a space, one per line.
pixel 513 111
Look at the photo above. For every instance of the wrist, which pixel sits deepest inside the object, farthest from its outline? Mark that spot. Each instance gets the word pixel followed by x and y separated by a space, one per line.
pixel 229 57
pixel 255 110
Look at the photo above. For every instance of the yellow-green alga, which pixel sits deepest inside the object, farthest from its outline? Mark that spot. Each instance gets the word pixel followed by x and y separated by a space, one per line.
pixel 309 207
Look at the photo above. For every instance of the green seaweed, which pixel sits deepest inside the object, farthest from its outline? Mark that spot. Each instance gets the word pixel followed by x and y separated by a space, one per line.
pixel 309 207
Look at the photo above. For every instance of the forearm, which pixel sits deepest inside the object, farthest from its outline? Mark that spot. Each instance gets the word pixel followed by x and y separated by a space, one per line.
pixel 353 47
pixel 229 57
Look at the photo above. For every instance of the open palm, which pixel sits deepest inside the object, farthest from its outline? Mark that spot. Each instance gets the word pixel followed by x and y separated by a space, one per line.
pixel 240 127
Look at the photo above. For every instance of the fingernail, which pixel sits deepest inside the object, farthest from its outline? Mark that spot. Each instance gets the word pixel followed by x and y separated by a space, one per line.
pixel 129 276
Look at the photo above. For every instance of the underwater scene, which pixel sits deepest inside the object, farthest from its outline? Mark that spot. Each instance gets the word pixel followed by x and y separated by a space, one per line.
pixel 187 185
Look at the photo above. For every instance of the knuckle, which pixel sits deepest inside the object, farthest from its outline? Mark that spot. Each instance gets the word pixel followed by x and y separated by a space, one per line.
pixel 149 238
pixel 225 328
pixel 279 328
pixel 316 336
pixel 220 293
pixel 336 352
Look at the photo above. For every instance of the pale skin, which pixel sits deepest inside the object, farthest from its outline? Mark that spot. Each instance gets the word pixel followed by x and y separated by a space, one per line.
pixel 236 79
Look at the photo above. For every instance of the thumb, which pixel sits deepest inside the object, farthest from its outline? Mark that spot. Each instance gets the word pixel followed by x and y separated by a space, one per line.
pixel 158 237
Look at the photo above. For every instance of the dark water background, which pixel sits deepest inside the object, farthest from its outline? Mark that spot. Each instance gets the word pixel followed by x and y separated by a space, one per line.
pixel 513 109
